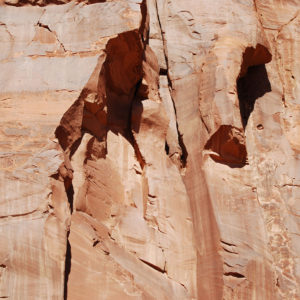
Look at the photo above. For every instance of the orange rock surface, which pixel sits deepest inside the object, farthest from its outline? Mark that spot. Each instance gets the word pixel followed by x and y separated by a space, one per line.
pixel 150 149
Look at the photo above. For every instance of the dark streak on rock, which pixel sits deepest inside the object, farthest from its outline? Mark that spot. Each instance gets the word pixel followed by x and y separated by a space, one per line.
pixel 153 266
pixel 226 243
pixel 234 274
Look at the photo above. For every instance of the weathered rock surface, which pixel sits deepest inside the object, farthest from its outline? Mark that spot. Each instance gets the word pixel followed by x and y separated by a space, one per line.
pixel 150 149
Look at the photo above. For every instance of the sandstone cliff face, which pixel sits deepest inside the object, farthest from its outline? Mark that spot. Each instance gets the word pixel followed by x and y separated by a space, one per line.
pixel 150 149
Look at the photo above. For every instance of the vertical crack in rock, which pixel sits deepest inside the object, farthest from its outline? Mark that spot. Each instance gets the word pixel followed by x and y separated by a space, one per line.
pixel 184 153
pixel 164 72
pixel 253 81
pixel 65 175
pixel 68 261
pixel 137 151
pixel 70 195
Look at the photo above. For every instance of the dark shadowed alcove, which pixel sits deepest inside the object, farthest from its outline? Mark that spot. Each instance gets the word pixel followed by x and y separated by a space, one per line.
pixel 251 87
pixel 253 81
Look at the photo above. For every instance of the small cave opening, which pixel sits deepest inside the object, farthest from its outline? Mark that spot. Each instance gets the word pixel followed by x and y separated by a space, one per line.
pixel 252 82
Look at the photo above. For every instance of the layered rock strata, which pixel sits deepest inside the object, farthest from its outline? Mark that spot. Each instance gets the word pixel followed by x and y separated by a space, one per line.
pixel 149 149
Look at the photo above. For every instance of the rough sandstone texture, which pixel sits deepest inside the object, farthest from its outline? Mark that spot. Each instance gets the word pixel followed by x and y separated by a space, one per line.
pixel 150 149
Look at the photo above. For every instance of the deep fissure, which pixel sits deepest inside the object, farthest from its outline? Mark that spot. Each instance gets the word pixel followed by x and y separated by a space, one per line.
pixel 70 195
pixel 67 267
pixel 184 153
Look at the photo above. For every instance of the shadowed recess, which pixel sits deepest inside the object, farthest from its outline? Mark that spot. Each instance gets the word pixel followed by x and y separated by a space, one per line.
pixel 252 86
pixel 252 82
pixel 227 146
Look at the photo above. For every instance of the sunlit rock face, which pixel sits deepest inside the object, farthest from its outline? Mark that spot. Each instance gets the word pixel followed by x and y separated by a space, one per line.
pixel 150 149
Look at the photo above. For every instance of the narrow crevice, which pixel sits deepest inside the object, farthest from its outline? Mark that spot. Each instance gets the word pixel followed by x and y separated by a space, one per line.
pixel 204 123
pixel 234 274
pixel 75 146
pixel 170 85
pixel 232 252
pixel 153 266
pixel 65 174
pixel 70 195
pixel 39 24
pixel 67 267
pixel 69 189
pixel 138 154
pixel 163 72
pixel 162 37
pixel 184 155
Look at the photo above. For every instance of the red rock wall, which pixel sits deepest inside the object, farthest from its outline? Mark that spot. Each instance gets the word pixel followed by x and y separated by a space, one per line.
pixel 149 149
